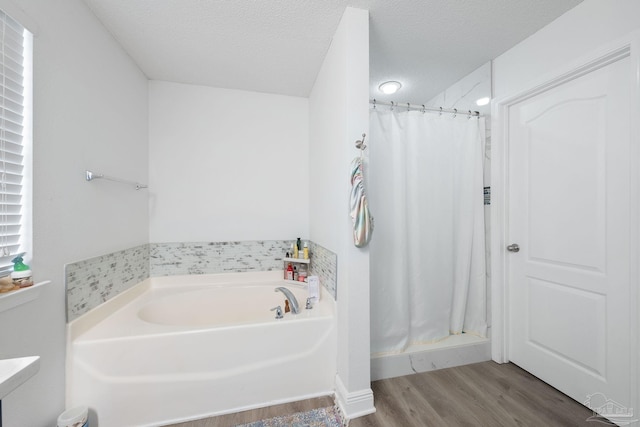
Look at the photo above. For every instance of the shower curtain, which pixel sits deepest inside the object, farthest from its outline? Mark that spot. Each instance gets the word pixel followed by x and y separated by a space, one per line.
pixel 427 259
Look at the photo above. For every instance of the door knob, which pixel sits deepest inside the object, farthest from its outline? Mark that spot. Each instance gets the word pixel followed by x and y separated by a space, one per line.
pixel 513 247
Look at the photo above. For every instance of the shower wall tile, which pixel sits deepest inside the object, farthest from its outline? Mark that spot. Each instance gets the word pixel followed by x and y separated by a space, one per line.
pixel 487 222
pixel 91 282
pixel 324 264
pixel 168 259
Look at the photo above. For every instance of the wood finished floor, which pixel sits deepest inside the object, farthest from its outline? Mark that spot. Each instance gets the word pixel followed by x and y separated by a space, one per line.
pixel 481 394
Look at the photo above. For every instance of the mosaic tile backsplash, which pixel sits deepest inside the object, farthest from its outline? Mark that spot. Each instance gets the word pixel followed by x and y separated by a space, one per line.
pixel 324 264
pixel 170 259
pixel 91 282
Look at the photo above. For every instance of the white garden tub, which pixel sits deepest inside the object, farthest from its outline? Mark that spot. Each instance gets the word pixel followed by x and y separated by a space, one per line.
pixel 178 348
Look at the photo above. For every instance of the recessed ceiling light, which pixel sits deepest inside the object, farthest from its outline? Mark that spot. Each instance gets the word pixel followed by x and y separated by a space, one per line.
pixel 389 87
pixel 483 101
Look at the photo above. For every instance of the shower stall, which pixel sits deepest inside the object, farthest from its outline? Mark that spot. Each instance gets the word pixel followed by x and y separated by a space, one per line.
pixel 428 261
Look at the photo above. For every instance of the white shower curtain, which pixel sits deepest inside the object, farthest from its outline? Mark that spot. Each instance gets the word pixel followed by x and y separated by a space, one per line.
pixel 427 255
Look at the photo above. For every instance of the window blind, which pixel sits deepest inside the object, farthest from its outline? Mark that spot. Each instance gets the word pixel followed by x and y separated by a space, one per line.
pixel 11 138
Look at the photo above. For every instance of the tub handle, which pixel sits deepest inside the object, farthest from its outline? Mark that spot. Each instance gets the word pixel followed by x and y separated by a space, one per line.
pixel 278 311
pixel 309 305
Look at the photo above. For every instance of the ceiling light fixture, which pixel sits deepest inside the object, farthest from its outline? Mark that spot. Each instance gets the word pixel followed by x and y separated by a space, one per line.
pixel 483 101
pixel 390 87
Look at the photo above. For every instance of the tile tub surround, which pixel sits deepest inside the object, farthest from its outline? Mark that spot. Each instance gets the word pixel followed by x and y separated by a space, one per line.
pixel 324 264
pixel 170 259
pixel 91 282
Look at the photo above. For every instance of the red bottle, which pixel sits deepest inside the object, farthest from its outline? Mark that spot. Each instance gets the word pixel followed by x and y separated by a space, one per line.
pixel 289 274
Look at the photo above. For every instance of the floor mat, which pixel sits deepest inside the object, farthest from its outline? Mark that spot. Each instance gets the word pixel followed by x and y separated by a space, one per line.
pixel 322 417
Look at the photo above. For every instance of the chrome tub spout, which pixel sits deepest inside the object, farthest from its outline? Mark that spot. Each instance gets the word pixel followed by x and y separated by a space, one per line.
pixel 293 302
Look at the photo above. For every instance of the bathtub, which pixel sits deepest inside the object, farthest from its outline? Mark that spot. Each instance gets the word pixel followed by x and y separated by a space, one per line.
pixel 179 348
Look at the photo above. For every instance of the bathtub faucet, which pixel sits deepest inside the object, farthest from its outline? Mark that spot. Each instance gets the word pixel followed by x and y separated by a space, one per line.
pixel 293 302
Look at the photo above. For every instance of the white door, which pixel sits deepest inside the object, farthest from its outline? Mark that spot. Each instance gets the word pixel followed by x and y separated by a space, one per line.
pixel 569 201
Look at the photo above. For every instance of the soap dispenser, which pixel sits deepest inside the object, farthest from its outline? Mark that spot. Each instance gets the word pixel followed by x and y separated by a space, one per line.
pixel 21 275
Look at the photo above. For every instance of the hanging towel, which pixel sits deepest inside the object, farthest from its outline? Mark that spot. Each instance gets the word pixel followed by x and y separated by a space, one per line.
pixel 360 215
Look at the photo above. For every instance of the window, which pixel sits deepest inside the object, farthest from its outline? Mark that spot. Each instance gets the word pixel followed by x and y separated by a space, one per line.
pixel 15 135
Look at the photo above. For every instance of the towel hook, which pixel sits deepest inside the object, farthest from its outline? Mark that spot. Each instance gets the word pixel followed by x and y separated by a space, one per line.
pixel 360 145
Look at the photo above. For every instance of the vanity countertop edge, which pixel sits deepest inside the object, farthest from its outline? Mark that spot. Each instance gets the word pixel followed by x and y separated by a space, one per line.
pixel 14 372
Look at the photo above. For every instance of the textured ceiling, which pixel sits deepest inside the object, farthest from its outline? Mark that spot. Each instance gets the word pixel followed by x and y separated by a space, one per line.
pixel 277 46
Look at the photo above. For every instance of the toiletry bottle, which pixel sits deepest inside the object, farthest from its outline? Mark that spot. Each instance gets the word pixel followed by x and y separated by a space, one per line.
pixel 287 309
pixel 289 275
pixel 295 273
pixel 299 245
pixel 295 251
pixel 302 273
pixel 292 251
pixel 305 251
pixel 21 275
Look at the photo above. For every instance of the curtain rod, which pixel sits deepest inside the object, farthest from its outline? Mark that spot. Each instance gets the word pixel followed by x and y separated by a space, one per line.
pixel 409 106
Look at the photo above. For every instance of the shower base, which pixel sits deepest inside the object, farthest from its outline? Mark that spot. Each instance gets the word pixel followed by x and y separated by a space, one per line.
pixel 455 350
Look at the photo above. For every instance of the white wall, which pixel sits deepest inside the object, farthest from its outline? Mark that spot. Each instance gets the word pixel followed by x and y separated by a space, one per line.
pixel 227 164
pixel 589 26
pixel 339 114
pixel 90 111
pixel 464 93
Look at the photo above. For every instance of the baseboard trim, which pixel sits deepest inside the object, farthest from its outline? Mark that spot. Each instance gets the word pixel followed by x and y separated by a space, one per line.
pixel 353 404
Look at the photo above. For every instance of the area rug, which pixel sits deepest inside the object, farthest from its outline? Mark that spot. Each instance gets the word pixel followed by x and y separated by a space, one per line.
pixel 323 417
